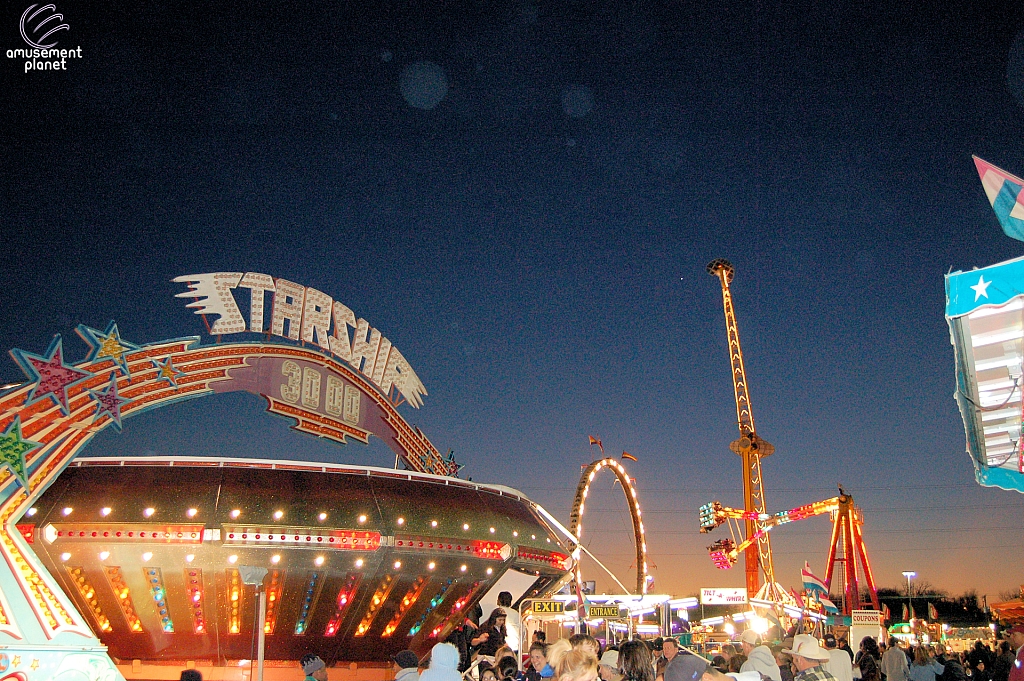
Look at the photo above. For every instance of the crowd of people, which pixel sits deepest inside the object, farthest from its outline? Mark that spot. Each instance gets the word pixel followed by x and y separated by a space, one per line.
pixel 489 652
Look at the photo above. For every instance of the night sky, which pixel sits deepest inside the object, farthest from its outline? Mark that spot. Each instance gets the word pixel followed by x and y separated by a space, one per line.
pixel 535 242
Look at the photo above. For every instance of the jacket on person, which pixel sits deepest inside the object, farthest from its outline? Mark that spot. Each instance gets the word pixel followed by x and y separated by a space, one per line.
pixel 894 665
pixel 761 660
pixel 407 674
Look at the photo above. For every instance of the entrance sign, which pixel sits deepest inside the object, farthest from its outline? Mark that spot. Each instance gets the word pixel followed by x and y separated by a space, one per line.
pixel 736 596
pixel 609 611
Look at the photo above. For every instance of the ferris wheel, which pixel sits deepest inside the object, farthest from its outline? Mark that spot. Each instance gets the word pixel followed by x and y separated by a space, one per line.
pixel 632 501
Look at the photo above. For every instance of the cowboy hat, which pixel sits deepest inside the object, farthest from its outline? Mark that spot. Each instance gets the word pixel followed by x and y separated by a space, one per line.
pixel 807 646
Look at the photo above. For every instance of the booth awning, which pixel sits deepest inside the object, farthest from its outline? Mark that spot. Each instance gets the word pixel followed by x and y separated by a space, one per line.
pixel 985 312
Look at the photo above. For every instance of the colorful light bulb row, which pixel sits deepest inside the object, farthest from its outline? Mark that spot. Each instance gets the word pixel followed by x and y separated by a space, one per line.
pixel 434 602
pixel 379 596
pixel 88 593
pixel 274 590
pixel 46 604
pixel 313 587
pixel 156 587
pixel 123 595
pixel 345 596
pixel 194 589
pixel 234 601
pixel 457 608
pixel 408 601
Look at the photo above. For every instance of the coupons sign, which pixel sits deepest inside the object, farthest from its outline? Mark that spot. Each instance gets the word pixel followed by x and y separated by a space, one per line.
pixel 723 596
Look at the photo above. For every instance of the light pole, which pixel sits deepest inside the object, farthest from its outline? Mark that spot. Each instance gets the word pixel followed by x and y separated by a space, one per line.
pixel 909 574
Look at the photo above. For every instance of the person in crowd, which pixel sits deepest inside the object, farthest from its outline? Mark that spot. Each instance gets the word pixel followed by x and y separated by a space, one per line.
pixel 869 670
pixel 728 650
pixel 953 668
pixel 660 665
pixel 313 667
pixel 513 623
pixel 785 663
pixel 608 666
pixel 493 632
pixel 839 663
pixel 585 641
pixel 808 657
pixel 924 667
pixel 407 665
pixel 468 637
pixel 539 637
pixel 759 656
pixel 981 672
pixel 736 663
pixel 685 666
pixel 488 673
pixel 1003 663
pixel 719 663
pixel 1015 635
pixel 635 661
pixel 894 663
pixel 869 646
pixel 669 648
pixel 556 651
pixel 507 668
pixel 503 651
pixel 444 664
pixel 191 675
pixel 579 664
pixel 845 645
pixel 977 654
pixel 538 659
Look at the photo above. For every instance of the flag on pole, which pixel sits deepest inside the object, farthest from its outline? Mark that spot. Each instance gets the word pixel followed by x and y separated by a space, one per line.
pixel 829 606
pixel 933 614
pixel 905 618
pixel 799 599
pixel 812 583
pixel 627 455
pixel 1004 193
pixel 886 614
pixel 594 440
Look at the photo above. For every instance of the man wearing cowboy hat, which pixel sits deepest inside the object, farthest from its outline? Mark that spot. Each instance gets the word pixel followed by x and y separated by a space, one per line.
pixel 1015 635
pixel 808 656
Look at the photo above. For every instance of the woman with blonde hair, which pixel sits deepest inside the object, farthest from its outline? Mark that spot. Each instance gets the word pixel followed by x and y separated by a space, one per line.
pixel 556 651
pixel 578 664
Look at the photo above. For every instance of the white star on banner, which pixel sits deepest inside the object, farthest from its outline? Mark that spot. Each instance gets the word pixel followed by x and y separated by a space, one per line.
pixel 980 288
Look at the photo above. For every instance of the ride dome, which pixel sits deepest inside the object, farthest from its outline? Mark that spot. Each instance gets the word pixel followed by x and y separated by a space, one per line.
pixel 160 560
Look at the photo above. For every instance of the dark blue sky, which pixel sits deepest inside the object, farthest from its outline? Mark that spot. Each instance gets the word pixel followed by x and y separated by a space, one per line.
pixel 543 270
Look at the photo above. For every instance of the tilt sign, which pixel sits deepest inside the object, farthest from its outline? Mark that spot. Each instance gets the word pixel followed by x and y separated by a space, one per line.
pixel 303 313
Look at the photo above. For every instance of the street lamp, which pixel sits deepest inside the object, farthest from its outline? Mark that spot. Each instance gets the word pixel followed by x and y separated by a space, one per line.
pixel 909 574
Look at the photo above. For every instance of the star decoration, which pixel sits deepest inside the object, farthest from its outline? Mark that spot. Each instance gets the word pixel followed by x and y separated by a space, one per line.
pixel 109 402
pixel 16 661
pixel 106 345
pixel 53 377
pixel 166 371
pixel 981 288
pixel 13 448
pixel 35 664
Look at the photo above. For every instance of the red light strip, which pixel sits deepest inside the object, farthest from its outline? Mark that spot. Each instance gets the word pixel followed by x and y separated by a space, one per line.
pixel 549 558
pixel 171 534
pixel 345 596
pixel 490 550
pixel 340 540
